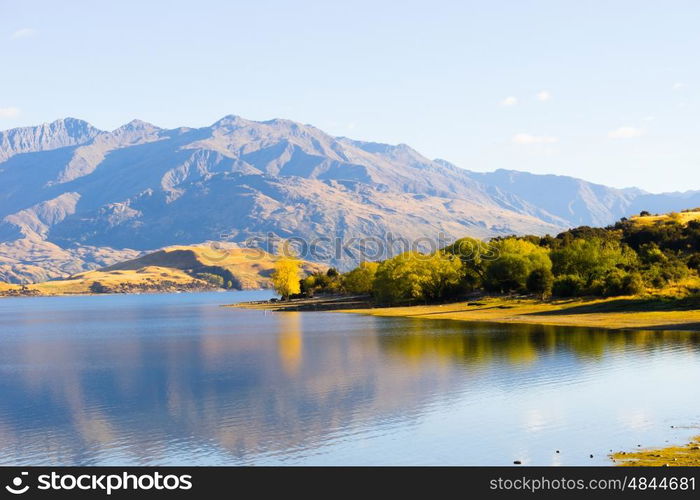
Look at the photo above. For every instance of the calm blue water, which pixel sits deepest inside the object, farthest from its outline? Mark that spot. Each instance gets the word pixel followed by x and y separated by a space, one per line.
pixel 177 380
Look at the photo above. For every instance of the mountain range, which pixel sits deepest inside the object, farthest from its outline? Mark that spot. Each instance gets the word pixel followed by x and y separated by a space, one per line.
pixel 74 198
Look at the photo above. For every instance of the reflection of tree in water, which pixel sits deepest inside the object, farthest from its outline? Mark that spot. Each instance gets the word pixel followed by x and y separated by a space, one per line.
pixel 290 341
pixel 482 343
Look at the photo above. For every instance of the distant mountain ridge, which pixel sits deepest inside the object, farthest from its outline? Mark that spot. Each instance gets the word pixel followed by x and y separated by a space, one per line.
pixel 585 203
pixel 140 187
pixel 54 135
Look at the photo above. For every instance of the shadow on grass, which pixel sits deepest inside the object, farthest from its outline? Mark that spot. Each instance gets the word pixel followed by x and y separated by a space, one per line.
pixel 627 305
pixel 688 327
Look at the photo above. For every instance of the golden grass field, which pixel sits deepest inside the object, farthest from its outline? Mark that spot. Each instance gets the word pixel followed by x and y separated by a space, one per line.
pixel 251 267
pixel 639 313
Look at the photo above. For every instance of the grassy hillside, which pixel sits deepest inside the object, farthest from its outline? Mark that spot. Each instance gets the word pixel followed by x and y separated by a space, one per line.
pixel 147 279
pixel 177 268
pixel 657 219
pixel 245 268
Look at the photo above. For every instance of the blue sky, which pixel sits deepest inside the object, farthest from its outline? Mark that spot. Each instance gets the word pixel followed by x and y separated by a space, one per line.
pixel 604 90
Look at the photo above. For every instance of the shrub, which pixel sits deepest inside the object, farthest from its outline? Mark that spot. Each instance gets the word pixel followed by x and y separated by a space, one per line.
pixel 568 286
pixel 540 281
pixel 613 283
pixel 97 287
pixel 694 261
pixel 213 279
pixel 319 282
pixel 633 284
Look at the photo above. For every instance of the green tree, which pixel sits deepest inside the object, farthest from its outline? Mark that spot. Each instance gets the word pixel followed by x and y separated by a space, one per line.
pixel 415 276
pixel 475 256
pixel 506 274
pixel 591 259
pixel 360 280
pixel 443 273
pixel 516 259
pixel 398 278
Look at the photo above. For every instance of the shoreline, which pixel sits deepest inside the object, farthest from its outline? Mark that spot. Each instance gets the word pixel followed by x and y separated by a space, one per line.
pixel 617 313
pixel 330 303
pixel 668 456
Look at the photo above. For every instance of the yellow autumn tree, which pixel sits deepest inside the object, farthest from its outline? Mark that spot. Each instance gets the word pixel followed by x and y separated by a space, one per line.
pixel 285 277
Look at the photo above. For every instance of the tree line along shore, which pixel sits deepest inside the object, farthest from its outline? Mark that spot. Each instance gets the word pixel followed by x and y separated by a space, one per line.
pixel 642 272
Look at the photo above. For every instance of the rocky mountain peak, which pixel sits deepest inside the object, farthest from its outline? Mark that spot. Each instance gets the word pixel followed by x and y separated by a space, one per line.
pixel 57 134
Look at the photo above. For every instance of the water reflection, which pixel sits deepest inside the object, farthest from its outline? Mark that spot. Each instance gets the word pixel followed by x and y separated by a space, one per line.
pixel 290 342
pixel 164 381
pixel 476 343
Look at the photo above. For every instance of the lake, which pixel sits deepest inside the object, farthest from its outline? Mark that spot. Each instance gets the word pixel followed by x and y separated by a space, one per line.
pixel 175 379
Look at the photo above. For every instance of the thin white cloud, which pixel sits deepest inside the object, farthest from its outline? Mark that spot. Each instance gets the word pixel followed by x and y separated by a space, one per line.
pixel 678 86
pixel 23 33
pixel 10 112
pixel 543 96
pixel 625 133
pixel 534 139
pixel 509 101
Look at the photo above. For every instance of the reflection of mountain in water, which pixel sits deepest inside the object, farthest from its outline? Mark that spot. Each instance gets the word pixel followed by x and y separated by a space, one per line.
pixel 167 385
